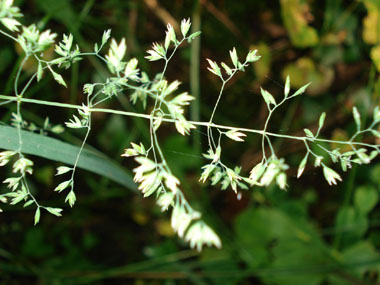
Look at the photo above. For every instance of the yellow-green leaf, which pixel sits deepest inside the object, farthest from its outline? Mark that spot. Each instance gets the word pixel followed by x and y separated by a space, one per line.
pixel 293 15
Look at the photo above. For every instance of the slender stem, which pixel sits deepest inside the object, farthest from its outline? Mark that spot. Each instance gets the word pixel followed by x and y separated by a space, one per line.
pixel 218 100
pixel 29 193
pixel 19 96
pixel 209 131
pixel 205 124
pixel 19 126
pixel 266 126
pixel 80 151
pixel 8 35
pixel 264 134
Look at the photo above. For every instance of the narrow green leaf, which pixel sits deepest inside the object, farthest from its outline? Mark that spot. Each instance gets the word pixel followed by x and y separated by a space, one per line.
pixel 268 98
pixel 39 72
pixel 172 34
pixel 54 211
pixel 302 165
pixel 71 198
pixel 185 26
pixel 106 36
pixel 373 154
pixel 193 36
pixel 10 23
pixel 376 114
pixel 331 175
pixel 375 133
pixel 18 198
pixel 167 41
pixel 214 68
pixel 62 186
pixel 58 78
pixel 256 173
pixel 57 150
pixel 234 57
pixel 344 164
pixel 28 203
pixel 235 135
pixel 301 90
pixel 37 216
pixel 321 121
pixel 287 87
pixel 63 169
pixel 281 180
pixel 356 115
pixel 251 56
pixel 308 133
pixel 226 68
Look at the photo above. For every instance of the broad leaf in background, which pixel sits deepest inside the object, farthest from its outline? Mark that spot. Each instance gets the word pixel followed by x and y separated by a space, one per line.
pixel 352 224
pixel 56 150
pixel 371 22
pixel 304 70
pixel 371 31
pixel 362 258
pixel 293 15
pixel 366 198
pixel 281 243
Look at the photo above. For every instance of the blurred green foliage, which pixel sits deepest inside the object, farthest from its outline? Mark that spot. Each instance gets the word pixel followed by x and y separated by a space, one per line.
pixel 311 234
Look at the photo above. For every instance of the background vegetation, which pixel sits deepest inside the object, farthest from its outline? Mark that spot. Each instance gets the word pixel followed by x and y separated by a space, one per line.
pixel 311 234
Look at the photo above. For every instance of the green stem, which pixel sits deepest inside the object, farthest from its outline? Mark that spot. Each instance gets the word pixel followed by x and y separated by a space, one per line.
pixel 80 151
pixel 351 178
pixel 8 35
pixel 205 124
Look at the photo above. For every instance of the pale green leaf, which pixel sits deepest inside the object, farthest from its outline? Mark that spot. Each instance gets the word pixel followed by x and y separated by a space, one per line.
pixel 63 170
pixel 28 203
pixel 321 121
pixel 375 133
pixel 106 36
pixel 356 115
pixel 226 68
pixel 287 87
pixel 301 90
pixel 193 36
pixel 63 185
pixel 268 98
pixel 251 56
pixel 235 135
pixel 37 216
pixel 308 133
pixel 330 175
pixel 234 57
pixel 214 68
pixel 71 198
pixel 302 165
pixel 376 114
pixel 54 211
pixel 185 26
pixel 39 72
pixel 10 23
pixel 58 78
